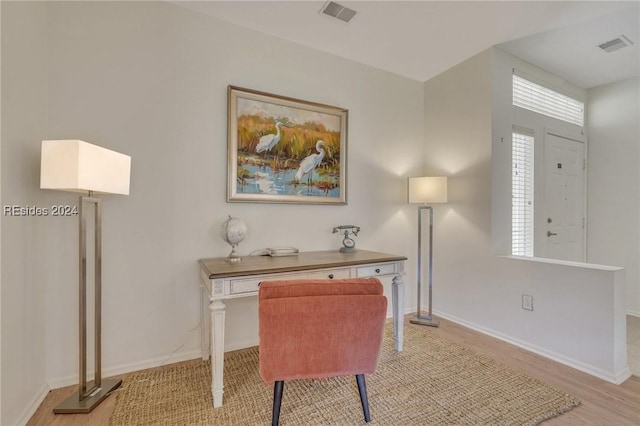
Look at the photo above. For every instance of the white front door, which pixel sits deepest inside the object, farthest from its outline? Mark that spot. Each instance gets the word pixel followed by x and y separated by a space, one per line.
pixel 563 233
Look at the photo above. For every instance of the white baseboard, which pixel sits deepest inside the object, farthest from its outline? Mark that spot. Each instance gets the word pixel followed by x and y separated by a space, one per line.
pixel 633 313
pixel 622 376
pixel 33 405
pixel 60 382
pixel 611 377
pixel 241 345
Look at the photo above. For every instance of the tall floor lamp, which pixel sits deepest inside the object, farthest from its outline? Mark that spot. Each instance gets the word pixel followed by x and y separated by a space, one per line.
pixel 426 190
pixel 77 166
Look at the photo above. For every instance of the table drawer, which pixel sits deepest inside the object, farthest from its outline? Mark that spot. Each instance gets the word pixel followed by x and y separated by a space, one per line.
pixel 376 270
pixel 250 285
pixel 244 286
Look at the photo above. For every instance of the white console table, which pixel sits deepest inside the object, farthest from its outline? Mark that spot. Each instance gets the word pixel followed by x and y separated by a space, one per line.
pixel 221 280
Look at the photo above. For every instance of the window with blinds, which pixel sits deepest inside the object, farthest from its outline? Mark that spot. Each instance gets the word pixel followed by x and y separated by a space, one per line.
pixel 522 195
pixel 540 99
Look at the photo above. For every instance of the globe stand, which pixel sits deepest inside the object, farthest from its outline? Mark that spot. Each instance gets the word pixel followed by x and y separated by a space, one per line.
pixel 234 256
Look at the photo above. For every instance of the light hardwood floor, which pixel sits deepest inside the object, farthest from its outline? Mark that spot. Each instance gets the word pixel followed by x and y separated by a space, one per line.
pixel 602 403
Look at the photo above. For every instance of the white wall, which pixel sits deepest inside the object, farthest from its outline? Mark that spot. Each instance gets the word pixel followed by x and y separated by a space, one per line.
pixel 614 181
pixel 24 263
pixel 581 304
pixel 149 79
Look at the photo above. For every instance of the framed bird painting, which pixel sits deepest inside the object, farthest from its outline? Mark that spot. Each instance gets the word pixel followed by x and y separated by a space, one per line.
pixel 285 150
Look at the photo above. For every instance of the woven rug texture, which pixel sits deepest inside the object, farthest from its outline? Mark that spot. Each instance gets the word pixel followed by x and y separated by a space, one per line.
pixel 433 381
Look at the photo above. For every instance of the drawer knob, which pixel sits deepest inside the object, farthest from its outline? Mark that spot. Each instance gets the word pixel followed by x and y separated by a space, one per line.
pixel 330 276
pixel 377 270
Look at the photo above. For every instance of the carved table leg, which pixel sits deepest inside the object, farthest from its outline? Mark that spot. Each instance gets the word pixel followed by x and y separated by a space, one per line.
pixel 397 296
pixel 217 309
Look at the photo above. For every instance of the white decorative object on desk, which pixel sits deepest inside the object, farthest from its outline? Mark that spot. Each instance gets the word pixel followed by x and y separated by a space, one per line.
pixel 233 231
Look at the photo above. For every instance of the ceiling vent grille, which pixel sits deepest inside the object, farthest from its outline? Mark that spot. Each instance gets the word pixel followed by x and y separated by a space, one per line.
pixel 615 44
pixel 338 11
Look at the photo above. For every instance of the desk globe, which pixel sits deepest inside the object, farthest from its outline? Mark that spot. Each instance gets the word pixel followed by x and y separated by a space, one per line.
pixel 233 231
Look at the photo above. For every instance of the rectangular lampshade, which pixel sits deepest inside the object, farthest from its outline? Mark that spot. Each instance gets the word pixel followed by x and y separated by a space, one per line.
pixel 78 166
pixel 427 190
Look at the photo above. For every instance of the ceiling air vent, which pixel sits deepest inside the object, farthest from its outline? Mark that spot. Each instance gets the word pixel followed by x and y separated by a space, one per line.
pixel 615 44
pixel 338 11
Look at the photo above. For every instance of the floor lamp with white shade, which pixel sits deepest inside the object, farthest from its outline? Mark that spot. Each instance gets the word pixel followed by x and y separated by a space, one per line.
pixel 426 190
pixel 77 166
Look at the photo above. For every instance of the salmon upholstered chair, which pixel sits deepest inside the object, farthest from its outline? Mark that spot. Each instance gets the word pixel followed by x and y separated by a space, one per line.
pixel 320 328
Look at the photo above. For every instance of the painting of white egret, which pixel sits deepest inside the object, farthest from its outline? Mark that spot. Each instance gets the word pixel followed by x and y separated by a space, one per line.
pixel 285 150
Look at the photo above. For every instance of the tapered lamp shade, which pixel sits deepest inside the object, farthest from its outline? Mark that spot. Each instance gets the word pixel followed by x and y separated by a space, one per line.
pixel 78 166
pixel 427 190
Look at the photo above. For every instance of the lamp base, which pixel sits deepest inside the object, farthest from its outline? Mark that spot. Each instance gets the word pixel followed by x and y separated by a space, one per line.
pixel 428 321
pixel 73 405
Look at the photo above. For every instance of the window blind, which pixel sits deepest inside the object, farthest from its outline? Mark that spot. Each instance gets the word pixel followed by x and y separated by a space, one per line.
pixel 540 99
pixel 522 195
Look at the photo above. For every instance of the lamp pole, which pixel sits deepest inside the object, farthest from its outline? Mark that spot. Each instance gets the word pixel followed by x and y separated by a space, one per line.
pixel 421 319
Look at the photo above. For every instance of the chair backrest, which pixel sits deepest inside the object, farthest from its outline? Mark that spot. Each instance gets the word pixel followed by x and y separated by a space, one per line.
pixel 320 328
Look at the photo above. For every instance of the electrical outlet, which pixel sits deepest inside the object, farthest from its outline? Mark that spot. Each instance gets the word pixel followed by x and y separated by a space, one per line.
pixel 527 302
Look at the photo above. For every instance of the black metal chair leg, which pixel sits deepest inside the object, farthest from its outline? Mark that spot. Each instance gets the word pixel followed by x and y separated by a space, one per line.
pixel 278 389
pixel 362 388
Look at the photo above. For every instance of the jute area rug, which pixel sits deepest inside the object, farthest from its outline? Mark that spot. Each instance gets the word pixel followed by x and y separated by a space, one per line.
pixel 432 382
